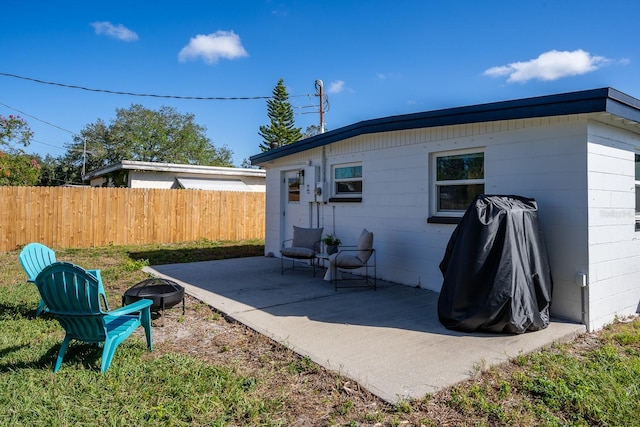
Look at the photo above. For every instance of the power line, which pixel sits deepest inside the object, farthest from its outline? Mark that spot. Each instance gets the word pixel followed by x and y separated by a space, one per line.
pixel 115 92
pixel 43 121
pixel 40 120
pixel 46 143
pixel 323 107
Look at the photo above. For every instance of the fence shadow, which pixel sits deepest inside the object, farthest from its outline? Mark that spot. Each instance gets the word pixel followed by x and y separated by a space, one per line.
pixel 185 255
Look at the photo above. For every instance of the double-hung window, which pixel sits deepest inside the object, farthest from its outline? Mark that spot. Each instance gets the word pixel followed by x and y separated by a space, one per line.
pixel 347 181
pixel 459 178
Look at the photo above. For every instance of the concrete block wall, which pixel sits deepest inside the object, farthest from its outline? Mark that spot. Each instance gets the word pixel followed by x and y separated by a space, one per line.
pixel 546 158
pixel 614 245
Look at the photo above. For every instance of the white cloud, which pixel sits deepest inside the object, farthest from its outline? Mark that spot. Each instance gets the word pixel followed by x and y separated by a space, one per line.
pixel 119 31
pixel 336 87
pixel 280 11
pixel 211 47
pixel 550 65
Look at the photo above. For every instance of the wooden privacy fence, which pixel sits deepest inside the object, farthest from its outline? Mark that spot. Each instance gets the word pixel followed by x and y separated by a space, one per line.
pixel 77 217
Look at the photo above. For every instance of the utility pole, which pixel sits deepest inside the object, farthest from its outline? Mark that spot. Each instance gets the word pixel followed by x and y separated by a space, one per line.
pixel 85 155
pixel 320 93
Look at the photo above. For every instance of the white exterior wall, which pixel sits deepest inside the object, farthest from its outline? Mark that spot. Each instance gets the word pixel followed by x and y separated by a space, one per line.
pixel 543 158
pixel 614 255
pixel 138 179
pixel 395 206
pixel 141 179
pixel 548 163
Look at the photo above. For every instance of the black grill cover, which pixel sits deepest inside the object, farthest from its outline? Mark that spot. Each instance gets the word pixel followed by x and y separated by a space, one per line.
pixel 496 271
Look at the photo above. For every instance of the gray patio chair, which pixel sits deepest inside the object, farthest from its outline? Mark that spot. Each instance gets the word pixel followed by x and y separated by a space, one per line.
pixel 362 256
pixel 305 244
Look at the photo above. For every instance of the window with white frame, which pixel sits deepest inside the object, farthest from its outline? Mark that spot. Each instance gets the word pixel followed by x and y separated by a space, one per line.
pixel 347 180
pixel 458 179
pixel 637 179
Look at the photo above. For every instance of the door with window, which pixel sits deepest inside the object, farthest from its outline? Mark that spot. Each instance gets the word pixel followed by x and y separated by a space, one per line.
pixel 293 210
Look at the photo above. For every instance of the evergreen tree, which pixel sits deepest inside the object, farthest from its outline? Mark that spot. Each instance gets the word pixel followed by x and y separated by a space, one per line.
pixel 281 129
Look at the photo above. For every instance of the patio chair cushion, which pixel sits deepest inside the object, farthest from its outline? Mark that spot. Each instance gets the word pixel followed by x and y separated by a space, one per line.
pixel 298 252
pixel 365 244
pixel 307 238
pixel 344 260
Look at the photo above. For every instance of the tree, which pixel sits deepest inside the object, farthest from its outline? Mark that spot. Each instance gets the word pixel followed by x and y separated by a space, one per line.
pixel 246 163
pixel 14 128
pixel 55 171
pixel 16 166
pixel 281 129
pixel 141 134
pixel 312 130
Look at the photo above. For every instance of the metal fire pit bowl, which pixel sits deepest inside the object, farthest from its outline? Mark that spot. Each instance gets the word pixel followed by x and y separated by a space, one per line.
pixel 164 294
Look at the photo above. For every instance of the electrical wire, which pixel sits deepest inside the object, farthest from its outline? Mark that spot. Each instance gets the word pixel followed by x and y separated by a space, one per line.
pixel 325 100
pixel 35 141
pixel 115 92
pixel 40 120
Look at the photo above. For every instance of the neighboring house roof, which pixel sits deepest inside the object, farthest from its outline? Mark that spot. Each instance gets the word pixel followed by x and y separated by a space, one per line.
pixel 605 100
pixel 211 184
pixel 173 168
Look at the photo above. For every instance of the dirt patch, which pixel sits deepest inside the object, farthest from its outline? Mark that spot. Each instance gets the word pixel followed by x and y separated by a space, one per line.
pixel 312 396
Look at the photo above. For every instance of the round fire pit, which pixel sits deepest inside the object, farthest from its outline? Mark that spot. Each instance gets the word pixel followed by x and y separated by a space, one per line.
pixel 164 294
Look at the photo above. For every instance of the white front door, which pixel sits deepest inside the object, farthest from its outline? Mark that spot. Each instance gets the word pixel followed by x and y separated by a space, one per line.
pixel 294 212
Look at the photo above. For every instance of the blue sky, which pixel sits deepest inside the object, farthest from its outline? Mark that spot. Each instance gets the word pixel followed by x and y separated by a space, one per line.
pixel 376 58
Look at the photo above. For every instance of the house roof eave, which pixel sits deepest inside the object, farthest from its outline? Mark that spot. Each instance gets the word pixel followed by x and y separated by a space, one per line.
pixel 587 101
pixel 102 171
pixel 173 167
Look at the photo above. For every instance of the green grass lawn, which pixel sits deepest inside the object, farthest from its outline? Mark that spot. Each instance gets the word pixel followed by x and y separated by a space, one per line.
pixel 594 380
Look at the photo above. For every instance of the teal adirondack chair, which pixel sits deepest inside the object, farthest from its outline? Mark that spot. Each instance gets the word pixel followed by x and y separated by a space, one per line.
pixel 73 298
pixel 34 257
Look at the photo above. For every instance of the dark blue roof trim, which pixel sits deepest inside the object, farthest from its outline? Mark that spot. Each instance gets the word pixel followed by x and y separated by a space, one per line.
pixel 589 101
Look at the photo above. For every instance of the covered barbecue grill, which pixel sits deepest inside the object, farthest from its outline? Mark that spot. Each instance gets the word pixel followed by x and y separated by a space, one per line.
pixel 496 271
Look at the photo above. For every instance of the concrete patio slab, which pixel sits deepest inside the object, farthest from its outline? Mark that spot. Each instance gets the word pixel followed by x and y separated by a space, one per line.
pixel 390 341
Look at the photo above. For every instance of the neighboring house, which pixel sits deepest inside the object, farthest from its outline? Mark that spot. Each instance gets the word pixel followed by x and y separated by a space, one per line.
pixel 134 174
pixel 409 179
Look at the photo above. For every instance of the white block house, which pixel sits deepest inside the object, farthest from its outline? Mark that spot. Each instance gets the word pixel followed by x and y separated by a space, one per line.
pixel 409 179
pixel 136 174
